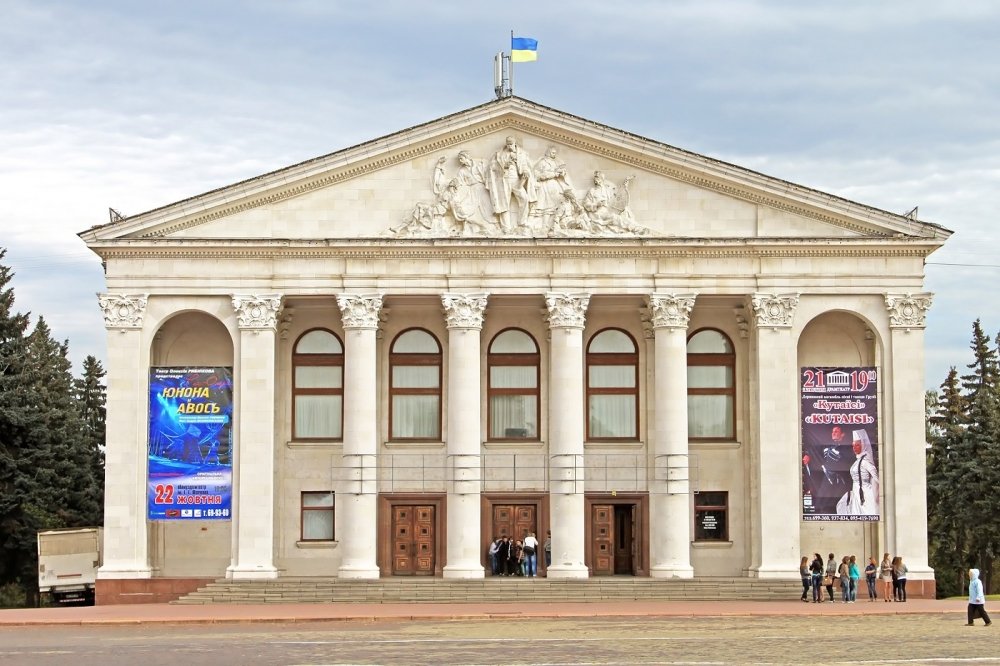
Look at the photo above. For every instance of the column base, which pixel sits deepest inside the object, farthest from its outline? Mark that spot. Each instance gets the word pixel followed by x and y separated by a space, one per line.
pixel 123 570
pixel 464 570
pixel 567 571
pixel 251 573
pixel 671 571
pixel 359 572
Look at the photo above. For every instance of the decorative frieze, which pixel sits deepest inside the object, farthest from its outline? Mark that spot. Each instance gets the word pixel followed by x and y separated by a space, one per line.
pixel 670 310
pixel 123 310
pixel 774 310
pixel 255 311
pixel 464 310
pixel 567 310
pixel 511 194
pixel 360 310
pixel 908 310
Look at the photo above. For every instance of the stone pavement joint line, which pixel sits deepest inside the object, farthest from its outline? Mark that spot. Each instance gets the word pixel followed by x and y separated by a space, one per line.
pixel 137 614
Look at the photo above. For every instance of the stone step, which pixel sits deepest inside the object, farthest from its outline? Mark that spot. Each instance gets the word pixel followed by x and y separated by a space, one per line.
pixel 437 590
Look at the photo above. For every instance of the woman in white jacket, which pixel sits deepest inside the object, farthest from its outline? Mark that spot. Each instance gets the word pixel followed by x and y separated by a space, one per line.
pixel 862 499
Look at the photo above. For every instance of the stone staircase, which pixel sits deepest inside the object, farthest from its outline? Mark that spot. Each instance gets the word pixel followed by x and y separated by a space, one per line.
pixel 437 590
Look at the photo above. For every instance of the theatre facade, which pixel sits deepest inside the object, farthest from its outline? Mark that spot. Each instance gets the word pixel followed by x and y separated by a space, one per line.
pixel 512 320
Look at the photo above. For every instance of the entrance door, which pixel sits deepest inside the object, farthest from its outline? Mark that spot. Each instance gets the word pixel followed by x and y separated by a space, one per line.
pixel 514 520
pixel 624 539
pixel 613 539
pixel 412 540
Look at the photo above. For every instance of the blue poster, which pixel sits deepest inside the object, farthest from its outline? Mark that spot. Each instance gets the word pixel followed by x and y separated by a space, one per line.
pixel 190 473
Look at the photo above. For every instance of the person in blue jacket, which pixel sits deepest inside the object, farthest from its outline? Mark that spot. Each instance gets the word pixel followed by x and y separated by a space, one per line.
pixel 977 600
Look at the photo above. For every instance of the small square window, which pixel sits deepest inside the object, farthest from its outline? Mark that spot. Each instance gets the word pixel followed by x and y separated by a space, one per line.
pixel 317 516
pixel 711 516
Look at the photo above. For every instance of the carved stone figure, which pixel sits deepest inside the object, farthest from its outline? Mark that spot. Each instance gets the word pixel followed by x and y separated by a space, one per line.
pixel 477 200
pixel 553 182
pixel 607 207
pixel 466 196
pixel 511 176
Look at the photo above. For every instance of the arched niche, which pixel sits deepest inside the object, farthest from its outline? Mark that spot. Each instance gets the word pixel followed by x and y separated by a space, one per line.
pixel 200 548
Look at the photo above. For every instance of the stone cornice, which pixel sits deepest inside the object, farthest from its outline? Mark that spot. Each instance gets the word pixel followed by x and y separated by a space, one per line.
pixel 649 248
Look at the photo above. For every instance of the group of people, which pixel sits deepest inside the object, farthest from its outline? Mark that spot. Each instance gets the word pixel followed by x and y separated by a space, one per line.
pixel 889 576
pixel 514 557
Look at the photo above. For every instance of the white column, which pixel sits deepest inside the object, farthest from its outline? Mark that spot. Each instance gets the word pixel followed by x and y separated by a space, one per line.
pixel 904 475
pixel 567 314
pixel 670 514
pixel 464 314
pixel 357 531
pixel 126 549
pixel 775 450
pixel 254 459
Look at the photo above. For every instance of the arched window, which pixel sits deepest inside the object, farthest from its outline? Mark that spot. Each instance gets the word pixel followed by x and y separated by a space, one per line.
pixel 512 388
pixel 711 386
pixel 318 386
pixel 612 386
pixel 415 386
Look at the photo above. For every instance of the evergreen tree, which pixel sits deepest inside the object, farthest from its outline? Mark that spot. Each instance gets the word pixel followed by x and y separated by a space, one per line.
pixel 977 476
pixel 12 426
pixel 91 397
pixel 945 520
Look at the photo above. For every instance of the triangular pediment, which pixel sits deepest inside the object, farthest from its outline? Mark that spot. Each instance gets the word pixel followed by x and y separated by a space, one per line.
pixel 512 168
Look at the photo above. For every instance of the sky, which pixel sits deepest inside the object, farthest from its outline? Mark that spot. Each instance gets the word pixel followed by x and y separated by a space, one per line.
pixel 134 105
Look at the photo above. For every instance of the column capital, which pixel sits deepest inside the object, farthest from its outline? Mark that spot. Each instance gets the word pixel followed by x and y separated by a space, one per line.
pixel 123 310
pixel 670 310
pixel 908 310
pixel 567 310
pixel 256 311
pixel 360 310
pixel 774 310
pixel 464 310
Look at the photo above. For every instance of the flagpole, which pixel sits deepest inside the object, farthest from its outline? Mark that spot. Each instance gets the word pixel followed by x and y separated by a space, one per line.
pixel 510 61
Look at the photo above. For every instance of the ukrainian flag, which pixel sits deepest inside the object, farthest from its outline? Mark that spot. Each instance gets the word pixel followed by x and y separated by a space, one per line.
pixel 523 49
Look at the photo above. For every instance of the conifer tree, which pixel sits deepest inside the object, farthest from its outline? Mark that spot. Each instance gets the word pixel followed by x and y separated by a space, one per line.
pixel 947 541
pixel 12 426
pixel 91 398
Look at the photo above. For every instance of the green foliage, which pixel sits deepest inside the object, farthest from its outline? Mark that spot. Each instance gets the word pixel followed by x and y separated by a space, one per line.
pixel 963 470
pixel 51 441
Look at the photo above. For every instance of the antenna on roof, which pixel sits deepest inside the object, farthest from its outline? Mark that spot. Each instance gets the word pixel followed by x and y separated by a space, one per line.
pixel 912 214
pixel 502 71
pixel 115 215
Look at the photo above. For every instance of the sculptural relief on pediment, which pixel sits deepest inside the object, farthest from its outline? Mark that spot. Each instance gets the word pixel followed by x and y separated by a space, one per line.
pixel 509 194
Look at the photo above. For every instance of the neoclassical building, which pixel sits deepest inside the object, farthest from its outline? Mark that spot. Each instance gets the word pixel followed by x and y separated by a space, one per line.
pixel 503 321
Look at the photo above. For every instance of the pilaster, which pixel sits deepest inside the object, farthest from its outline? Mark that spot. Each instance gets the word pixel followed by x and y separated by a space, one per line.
pixel 905 510
pixel 774 411
pixel 254 511
pixel 126 542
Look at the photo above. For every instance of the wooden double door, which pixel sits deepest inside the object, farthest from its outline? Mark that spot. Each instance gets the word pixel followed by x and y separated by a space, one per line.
pixel 413 539
pixel 614 536
pixel 515 520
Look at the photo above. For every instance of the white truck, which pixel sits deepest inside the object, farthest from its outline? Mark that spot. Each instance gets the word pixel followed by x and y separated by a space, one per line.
pixel 67 564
